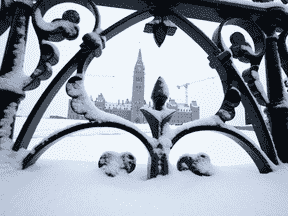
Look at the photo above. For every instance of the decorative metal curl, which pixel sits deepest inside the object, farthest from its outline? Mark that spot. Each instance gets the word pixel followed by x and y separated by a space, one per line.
pixel 85 54
pixel 240 48
pixel 49 57
pixel 230 76
pixel 40 107
pixel 58 29
pixel 214 123
pixel 243 52
pixel 160 26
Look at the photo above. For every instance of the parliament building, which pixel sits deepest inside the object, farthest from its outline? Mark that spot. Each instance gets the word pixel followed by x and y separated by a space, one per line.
pixel 130 110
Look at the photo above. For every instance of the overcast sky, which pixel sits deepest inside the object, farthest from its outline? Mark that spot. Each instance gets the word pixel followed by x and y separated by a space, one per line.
pixel 179 60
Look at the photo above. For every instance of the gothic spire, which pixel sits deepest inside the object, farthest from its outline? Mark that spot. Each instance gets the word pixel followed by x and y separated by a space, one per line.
pixel 139 62
pixel 139 56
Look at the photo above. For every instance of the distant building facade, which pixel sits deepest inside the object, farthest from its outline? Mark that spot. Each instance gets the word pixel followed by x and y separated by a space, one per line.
pixel 130 110
pixel 57 117
pixel 185 113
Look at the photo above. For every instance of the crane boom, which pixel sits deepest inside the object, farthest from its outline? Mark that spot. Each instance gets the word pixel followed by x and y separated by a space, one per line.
pixel 186 91
pixel 186 87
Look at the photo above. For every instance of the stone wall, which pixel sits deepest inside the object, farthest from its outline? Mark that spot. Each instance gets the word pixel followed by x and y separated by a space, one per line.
pixel 126 114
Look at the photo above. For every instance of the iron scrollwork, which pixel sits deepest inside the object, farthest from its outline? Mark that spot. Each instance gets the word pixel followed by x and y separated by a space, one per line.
pixel 160 26
pixel 158 118
pixel 242 51
pixel 230 78
pixel 14 82
pixel 57 30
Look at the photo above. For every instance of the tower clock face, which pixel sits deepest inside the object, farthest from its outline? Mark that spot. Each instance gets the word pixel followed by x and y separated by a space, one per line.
pixel 138 79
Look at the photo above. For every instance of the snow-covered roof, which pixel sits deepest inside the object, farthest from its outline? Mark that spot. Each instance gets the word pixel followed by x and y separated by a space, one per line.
pixel 117 106
pixel 100 97
pixel 194 103
pixel 172 102
pixel 183 106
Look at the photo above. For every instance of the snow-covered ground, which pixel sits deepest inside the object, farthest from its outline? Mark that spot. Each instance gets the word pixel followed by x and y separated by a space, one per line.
pixel 89 144
pixel 66 179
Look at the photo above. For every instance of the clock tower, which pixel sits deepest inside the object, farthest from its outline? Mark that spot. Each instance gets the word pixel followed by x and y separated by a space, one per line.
pixel 138 91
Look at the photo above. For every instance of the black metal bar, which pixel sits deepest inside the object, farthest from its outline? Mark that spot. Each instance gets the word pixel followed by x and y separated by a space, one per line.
pixel 229 73
pixel 31 158
pixel 15 48
pixel 251 149
pixel 278 107
pixel 40 107
pixel 42 104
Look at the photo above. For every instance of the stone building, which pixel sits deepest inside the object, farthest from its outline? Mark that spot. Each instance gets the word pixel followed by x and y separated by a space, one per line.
pixel 130 110
pixel 138 91
pixel 185 112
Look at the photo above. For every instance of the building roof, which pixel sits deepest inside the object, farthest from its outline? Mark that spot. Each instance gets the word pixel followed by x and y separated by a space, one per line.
pixel 181 106
pixel 194 104
pixel 100 97
pixel 139 64
pixel 139 56
pixel 118 107
pixel 172 103
pixel 184 105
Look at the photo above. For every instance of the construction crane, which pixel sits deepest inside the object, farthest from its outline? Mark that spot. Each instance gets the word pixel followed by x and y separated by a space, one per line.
pixel 187 84
pixel 186 91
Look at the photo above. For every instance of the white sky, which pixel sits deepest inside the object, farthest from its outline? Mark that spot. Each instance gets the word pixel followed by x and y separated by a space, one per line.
pixel 179 60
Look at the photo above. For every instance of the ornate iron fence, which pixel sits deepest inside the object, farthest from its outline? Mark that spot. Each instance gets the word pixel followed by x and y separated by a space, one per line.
pixel 262 23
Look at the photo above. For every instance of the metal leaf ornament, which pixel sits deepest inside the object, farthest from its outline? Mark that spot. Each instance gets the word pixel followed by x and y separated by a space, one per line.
pixel 160 27
pixel 159 115
pixel 159 33
pixel 58 29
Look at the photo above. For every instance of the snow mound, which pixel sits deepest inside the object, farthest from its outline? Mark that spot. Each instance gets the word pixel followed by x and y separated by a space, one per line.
pixel 199 164
pixel 10 158
pixel 113 163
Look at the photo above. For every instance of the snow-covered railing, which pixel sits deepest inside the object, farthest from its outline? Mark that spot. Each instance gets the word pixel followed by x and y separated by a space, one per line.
pixel 166 20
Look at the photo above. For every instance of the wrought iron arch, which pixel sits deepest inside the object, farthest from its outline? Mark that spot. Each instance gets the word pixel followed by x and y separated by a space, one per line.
pixel 92 46
pixel 221 61
pixel 82 55
pixel 37 151
pixel 263 163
